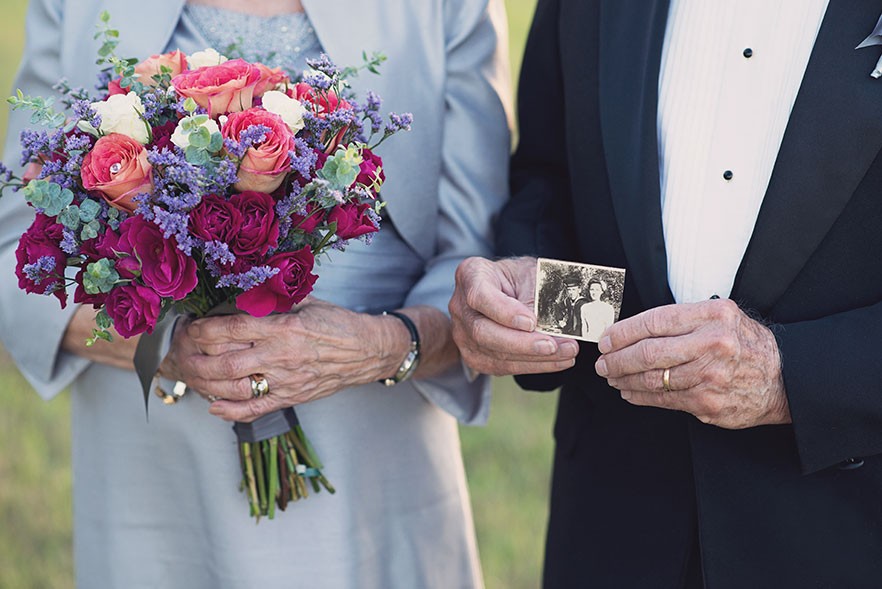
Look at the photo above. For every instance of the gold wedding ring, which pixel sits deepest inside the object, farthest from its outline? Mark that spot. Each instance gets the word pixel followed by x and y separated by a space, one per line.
pixel 259 385
pixel 666 380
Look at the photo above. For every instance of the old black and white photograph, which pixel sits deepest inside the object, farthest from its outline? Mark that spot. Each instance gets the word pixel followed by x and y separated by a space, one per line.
pixel 575 300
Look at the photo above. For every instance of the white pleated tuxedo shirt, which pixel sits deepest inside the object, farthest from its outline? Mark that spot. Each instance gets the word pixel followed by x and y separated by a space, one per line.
pixel 730 73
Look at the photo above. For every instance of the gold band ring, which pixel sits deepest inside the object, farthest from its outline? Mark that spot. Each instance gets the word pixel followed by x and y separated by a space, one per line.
pixel 259 385
pixel 666 380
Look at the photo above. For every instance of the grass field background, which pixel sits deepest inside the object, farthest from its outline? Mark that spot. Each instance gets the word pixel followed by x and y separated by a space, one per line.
pixel 508 461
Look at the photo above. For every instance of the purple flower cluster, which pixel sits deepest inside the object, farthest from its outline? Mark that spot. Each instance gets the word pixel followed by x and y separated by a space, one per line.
pixel 40 270
pixel 248 280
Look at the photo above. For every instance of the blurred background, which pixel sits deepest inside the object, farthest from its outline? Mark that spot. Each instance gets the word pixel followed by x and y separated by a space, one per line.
pixel 508 462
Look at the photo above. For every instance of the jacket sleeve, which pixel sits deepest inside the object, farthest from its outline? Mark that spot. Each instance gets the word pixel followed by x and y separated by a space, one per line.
pixel 538 219
pixel 833 379
pixel 474 169
pixel 32 326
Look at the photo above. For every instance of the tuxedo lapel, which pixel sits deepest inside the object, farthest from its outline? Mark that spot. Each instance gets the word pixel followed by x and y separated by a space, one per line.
pixel 631 37
pixel 834 134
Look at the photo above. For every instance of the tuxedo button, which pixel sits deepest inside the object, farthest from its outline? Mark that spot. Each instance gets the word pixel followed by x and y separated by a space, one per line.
pixel 748 53
pixel 851 464
pixel 727 175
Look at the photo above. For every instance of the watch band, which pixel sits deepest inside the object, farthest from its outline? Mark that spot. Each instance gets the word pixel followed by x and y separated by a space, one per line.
pixel 412 360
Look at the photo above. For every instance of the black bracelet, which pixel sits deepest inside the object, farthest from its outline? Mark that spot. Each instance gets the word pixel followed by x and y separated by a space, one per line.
pixel 410 362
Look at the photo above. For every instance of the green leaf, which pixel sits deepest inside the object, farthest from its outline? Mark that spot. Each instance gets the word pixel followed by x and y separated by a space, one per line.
pixel 216 143
pixel 200 138
pixel 104 16
pixel 190 105
pixel 90 230
pixel 102 319
pixel 197 156
pixel 70 217
pixel 100 276
pixel 89 209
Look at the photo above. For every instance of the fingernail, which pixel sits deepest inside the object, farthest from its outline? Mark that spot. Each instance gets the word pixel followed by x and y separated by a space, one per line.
pixel 600 367
pixel 523 323
pixel 605 344
pixel 544 347
pixel 569 348
pixel 626 395
pixel 194 331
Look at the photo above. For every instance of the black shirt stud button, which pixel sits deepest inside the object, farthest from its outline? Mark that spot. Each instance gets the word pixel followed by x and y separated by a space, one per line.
pixel 727 175
pixel 748 53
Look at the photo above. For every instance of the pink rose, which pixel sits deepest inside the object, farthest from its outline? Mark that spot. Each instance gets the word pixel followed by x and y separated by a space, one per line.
pixel 42 240
pixel 168 271
pixel 371 170
pixel 264 165
pixel 215 219
pixel 223 88
pixel 284 290
pixel 322 104
pixel 133 308
pixel 352 220
pixel 259 228
pixel 117 168
pixel 269 79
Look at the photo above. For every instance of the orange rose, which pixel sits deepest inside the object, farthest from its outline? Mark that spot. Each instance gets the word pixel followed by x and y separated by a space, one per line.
pixel 224 88
pixel 264 165
pixel 117 168
pixel 150 67
pixel 269 79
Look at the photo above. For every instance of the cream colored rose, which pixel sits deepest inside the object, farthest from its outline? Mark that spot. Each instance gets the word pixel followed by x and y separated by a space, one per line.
pixel 192 124
pixel 205 58
pixel 286 107
pixel 120 113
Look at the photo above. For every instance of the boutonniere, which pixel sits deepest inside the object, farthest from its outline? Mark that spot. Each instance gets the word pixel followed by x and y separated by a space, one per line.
pixel 874 38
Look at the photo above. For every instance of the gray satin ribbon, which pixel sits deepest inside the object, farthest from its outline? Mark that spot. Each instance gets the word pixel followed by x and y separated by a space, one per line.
pixel 874 38
pixel 151 350
pixel 267 426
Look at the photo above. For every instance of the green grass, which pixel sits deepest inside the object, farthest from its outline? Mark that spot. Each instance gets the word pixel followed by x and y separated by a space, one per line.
pixel 508 462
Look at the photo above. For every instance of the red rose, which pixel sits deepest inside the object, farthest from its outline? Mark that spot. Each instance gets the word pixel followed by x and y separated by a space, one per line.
pixel 164 268
pixel 42 239
pixel 264 165
pixel 307 223
pixel 133 308
pixel 223 88
pixel 117 168
pixel 371 171
pixel 259 228
pixel 352 220
pixel 215 219
pixel 162 135
pixel 284 290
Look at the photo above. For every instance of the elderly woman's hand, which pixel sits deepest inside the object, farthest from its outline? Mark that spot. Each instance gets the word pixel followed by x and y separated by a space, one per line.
pixel 310 353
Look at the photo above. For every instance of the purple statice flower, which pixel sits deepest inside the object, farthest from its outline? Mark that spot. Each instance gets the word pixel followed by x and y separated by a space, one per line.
pixel 77 142
pixel 399 122
pixel 83 110
pixel 218 251
pixel 318 81
pixel 324 65
pixel 69 243
pixel 5 173
pixel 253 135
pixel 51 168
pixel 340 245
pixel 104 78
pixel 39 270
pixel 291 202
pixel 179 108
pixel 303 159
pixel 152 102
pixel 143 207
pixel 256 276
pixel 40 143
pixel 174 224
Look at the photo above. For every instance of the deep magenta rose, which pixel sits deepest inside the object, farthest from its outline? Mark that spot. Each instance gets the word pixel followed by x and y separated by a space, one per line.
pixel 164 268
pixel 42 239
pixel 284 290
pixel 352 220
pixel 259 230
pixel 215 219
pixel 134 309
pixel 371 170
pixel 162 135
pixel 308 222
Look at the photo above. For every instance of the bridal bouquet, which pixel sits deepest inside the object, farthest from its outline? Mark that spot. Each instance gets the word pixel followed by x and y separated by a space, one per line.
pixel 197 182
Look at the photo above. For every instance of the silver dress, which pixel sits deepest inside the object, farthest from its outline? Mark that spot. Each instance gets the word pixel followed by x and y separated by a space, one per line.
pixel 162 509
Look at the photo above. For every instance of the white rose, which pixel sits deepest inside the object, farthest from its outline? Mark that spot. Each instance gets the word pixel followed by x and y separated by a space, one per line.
pixel 121 113
pixel 205 58
pixel 286 107
pixel 181 138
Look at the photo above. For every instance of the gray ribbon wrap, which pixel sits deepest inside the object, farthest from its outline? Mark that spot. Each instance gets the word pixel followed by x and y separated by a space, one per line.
pixel 875 38
pixel 151 350
pixel 267 426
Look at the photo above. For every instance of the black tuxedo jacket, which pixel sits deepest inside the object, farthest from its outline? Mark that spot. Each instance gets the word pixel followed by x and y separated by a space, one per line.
pixel 636 490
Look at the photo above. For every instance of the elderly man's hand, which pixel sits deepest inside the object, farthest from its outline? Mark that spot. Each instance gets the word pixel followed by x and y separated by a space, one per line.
pixel 724 367
pixel 493 320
